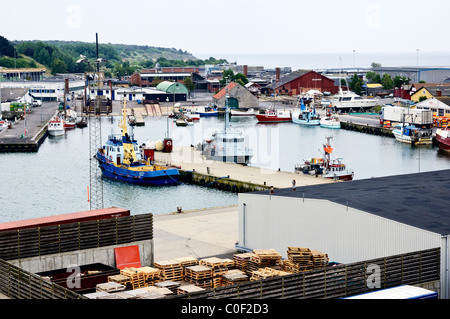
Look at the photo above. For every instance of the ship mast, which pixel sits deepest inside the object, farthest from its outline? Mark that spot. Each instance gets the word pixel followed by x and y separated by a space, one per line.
pixel 129 156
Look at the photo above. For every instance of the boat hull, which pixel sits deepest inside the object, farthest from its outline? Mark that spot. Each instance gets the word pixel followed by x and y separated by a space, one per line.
pixel 55 132
pixel 306 122
pixel 272 119
pixel 169 176
pixel 208 114
pixel 238 159
pixel 443 139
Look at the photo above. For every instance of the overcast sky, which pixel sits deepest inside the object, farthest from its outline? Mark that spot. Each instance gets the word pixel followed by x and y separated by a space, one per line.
pixel 237 26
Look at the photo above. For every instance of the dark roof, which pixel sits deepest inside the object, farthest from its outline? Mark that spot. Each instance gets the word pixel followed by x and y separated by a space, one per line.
pixel 420 200
pixel 288 78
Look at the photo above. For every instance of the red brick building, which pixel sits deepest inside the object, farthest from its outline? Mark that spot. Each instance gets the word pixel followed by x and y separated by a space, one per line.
pixel 302 81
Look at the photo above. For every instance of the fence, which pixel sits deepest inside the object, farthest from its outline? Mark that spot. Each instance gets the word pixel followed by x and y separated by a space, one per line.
pixel 20 284
pixel 338 281
pixel 47 240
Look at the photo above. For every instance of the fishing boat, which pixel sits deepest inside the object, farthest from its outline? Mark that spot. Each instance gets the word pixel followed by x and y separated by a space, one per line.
pixel 411 134
pixel 443 138
pixel 122 159
pixel 305 116
pixel 228 145
pixel 330 121
pixel 56 126
pixel 325 166
pixel 237 112
pixel 272 115
pixel 208 112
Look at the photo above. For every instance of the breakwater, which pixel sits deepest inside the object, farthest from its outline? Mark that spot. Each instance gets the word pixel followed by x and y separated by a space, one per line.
pixel 367 128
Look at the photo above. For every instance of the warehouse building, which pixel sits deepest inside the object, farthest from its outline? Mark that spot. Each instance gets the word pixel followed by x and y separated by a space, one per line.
pixel 353 221
pixel 416 73
pixel 237 97
pixel 302 81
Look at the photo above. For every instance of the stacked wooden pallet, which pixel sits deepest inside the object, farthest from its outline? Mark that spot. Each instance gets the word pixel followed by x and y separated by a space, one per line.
pixel 121 279
pixel 171 286
pixel 109 287
pixel 186 289
pixel 137 278
pixel 200 275
pixel 262 258
pixel 267 272
pixel 170 270
pixel 151 275
pixel 241 261
pixel 320 259
pixel 232 277
pixel 219 266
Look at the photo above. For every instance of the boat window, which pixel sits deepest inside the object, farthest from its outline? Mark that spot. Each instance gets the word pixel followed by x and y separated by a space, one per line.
pixel 346 98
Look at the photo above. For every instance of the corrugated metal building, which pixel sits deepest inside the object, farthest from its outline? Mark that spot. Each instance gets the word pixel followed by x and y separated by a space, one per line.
pixel 417 73
pixel 353 221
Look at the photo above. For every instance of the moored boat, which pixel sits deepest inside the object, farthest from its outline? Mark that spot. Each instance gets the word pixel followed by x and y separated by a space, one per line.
pixel 443 138
pixel 351 102
pixel 249 112
pixel 228 145
pixel 56 126
pixel 272 115
pixel 411 134
pixel 208 112
pixel 305 116
pixel 330 121
pixel 325 166
pixel 122 159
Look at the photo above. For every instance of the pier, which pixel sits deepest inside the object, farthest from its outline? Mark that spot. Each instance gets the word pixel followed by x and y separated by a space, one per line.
pixel 195 169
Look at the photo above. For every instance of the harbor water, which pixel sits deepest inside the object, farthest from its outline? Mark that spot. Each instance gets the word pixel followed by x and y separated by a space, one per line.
pixel 55 180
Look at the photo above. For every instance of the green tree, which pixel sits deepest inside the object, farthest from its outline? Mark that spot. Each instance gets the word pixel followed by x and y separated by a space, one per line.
pixel 6 48
pixel 356 83
pixel 189 84
pixel 58 66
pixel 400 80
pixel 373 77
pixel 386 82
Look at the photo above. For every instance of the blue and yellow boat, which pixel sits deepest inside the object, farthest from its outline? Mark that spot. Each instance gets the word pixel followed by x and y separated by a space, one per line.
pixel 122 159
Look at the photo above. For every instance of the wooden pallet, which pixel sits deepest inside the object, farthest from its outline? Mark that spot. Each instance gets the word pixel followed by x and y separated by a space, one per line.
pixel 170 270
pixel 185 289
pixel 267 273
pixel 187 261
pixel 233 277
pixel 109 287
pixel 121 279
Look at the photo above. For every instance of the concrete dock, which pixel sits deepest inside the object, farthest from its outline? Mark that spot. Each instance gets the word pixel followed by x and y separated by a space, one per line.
pixel 191 160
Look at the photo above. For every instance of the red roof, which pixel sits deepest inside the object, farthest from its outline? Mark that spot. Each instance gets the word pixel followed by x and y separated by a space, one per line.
pixel 103 213
pixel 222 92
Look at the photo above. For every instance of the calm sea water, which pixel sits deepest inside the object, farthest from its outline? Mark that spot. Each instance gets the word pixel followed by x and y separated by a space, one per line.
pixel 335 60
pixel 55 179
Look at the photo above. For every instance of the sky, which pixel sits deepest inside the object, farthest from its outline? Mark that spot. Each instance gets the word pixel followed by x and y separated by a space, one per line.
pixel 237 26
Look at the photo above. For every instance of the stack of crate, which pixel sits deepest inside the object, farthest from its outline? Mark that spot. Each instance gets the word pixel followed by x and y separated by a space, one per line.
pixel 320 259
pixel 200 275
pixel 186 262
pixel 241 261
pixel 219 267
pixel 137 278
pixel 121 279
pixel 262 258
pixel 299 259
pixel 267 272
pixel 170 270
pixel 151 275
pixel 232 277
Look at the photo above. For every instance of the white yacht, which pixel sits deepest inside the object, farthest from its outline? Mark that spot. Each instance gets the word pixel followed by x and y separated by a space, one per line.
pixel 348 101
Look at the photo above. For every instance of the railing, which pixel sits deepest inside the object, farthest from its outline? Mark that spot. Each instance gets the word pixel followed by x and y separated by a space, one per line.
pixel 75 236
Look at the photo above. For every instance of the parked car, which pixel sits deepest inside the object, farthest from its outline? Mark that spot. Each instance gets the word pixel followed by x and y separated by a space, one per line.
pixel 37 103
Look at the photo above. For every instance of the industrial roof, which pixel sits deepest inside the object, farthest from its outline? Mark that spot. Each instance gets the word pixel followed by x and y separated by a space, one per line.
pixel 172 87
pixel 419 200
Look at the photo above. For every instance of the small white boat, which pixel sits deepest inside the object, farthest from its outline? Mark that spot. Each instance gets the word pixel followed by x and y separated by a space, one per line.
pixel 249 112
pixel 330 121
pixel 56 126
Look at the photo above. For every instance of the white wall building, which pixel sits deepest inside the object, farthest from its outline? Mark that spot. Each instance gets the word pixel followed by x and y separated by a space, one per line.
pixel 353 221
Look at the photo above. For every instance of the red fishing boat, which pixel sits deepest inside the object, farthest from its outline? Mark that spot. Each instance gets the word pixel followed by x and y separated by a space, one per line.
pixel 443 138
pixel 273 115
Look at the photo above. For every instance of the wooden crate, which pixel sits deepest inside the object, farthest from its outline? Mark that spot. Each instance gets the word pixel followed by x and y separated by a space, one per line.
pixel 109 287
pixel 241 261
pixel 121 279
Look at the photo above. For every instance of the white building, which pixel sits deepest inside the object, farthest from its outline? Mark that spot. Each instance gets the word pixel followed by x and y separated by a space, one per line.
pixel 353 221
